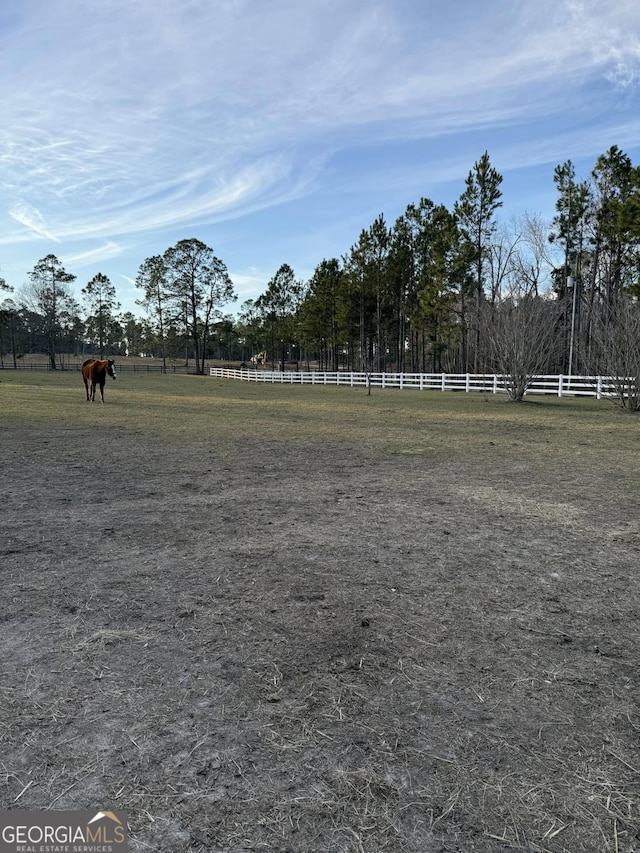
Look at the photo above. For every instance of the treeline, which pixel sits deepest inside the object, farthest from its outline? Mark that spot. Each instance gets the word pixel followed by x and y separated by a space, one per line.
pixel 183 291
pixel 440 289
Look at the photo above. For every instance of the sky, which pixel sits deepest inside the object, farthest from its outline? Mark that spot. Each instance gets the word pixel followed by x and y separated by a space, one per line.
pixel 275 131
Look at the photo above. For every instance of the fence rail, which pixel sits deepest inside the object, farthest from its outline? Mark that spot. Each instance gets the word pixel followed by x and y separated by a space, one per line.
pixel 489 383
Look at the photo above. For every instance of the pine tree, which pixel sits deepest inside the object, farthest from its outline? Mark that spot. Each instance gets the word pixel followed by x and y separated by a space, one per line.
pixel 198 283
pixel 100 297
pixel 476 210
pixel 49 286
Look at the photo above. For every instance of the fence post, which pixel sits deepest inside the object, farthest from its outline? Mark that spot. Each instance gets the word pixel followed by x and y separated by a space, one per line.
pixel 560 385
pixel 444 382
pixel 599 388
pixel 468 383
pixel 495 383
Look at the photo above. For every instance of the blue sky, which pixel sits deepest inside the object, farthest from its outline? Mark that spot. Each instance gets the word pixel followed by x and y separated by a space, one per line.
pixel 276 130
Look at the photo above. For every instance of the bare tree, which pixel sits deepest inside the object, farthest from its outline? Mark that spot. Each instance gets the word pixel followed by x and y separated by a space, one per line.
pixel 521 336
pixel 532 263
pixel 616 342
pixel 501 259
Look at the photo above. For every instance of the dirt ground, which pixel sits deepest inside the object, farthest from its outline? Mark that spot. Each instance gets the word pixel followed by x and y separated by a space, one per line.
pixel 317 648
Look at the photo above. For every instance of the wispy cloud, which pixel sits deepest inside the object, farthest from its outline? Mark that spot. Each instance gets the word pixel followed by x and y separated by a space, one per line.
pixel 97 255
pixel 32 219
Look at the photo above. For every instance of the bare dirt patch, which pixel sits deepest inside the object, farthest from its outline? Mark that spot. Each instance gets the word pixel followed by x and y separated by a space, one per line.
pixel 312 646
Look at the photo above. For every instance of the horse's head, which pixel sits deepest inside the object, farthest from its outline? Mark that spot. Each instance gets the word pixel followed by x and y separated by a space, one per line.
pixel 111 368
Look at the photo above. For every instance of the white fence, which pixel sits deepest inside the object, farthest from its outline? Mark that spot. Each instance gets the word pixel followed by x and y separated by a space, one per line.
pixel 489 383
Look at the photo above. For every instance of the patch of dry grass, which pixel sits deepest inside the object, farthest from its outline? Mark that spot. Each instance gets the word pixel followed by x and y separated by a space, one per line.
pixel 423 423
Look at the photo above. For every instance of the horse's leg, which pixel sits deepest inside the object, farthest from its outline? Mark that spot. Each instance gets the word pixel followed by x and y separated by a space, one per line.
pixel 102 391
pixel 86 386
pixel 93 391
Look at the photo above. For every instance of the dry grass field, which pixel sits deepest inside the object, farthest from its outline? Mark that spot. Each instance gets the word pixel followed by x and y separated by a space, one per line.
pixel 295 619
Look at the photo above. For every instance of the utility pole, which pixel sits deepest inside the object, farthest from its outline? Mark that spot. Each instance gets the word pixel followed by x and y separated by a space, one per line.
pixel 571 283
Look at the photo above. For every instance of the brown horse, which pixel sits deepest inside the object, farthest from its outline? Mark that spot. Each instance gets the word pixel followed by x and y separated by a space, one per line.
pixel 94 373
